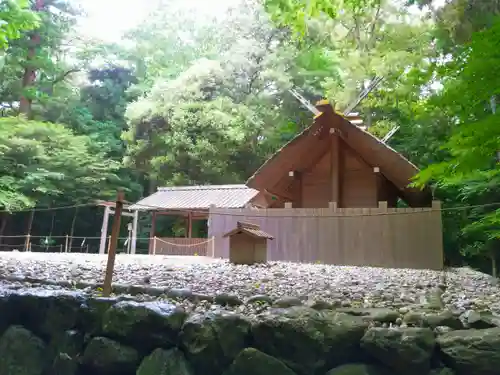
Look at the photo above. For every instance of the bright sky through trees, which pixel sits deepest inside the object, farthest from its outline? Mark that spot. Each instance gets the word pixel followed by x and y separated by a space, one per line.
pixel 109 19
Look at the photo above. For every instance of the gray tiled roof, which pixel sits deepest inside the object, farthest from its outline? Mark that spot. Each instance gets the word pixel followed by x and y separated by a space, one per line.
pixel 197 197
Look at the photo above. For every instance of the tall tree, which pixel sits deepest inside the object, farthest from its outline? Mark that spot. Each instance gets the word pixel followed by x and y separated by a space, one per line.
pixel 36 63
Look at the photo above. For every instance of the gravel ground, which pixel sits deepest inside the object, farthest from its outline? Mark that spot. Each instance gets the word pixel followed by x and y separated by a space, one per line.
pixel 464 289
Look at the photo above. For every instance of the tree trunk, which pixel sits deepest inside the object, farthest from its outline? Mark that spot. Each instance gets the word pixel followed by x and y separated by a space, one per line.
pixel 72 230
pixel 29 74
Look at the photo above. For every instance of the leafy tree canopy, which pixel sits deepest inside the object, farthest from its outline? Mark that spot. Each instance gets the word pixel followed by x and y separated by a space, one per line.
pixel 15 18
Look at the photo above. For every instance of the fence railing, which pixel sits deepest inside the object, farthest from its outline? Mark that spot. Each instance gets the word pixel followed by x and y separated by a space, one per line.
pixel 62 244
pixel 383 237
pixel 66 244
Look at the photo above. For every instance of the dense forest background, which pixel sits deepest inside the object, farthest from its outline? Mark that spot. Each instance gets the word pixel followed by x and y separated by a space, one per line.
pixel 192 98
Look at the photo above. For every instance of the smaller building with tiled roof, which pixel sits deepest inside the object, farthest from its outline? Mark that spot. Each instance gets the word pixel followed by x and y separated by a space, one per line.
pixel 192 203
pixel 199 197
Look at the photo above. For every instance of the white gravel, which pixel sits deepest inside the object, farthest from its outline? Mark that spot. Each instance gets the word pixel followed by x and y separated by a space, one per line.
pixel 344 286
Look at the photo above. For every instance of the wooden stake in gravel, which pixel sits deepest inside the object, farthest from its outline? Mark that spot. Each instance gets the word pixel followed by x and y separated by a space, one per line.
pixel 115 231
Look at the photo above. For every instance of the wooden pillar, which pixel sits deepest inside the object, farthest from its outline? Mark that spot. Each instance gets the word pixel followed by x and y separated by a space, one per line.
pixel 336 167
pixel 135 221
pixel 104 230
pixel 152 234
pixel 211 209
pixel 332 206
pixel 379 186
pixel 189 224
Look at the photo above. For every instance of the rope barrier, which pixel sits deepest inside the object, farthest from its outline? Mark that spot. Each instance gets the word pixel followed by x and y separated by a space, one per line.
pixel 39 209
pixel 340 213
pixel 184 245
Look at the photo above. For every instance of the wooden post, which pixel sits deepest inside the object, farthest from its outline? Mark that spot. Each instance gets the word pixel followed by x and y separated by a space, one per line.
pixel 115 231
pixel 154 245
pixel 135 221
pixel 27 245
pixel 382 205
pixel 438 225
pixel 211 210
pixel 336 165
pixel 66 242
pixel 297 187
pixel 152 234
pixel 379 186
pixel 190 224
pixel 129 238
pixel 30 226
pixel 213 247
pixel 104 230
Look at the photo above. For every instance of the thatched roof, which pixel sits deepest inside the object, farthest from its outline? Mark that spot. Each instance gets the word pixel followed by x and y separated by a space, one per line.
pixel 251 229
pixel 308 147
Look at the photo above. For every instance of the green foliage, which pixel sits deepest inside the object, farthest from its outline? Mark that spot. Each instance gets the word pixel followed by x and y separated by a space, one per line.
pixel 15 18
pixel 221 117
pixel 42 161
pixel 295 13
pixel 473 167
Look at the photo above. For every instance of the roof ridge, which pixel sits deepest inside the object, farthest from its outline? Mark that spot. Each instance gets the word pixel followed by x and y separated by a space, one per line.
pixel 205 187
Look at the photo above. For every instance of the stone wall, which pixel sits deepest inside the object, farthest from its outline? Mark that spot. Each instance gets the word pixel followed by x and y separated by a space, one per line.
pixel 67 333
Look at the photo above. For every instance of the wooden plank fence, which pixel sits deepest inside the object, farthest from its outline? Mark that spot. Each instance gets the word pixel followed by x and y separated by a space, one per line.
pixel 379 237
pixel 181 246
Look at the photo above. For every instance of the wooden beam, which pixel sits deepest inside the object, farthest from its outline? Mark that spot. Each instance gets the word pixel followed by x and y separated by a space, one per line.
pixel 201 213
pixel 336 167
pixel 281 197
pixel 129 214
